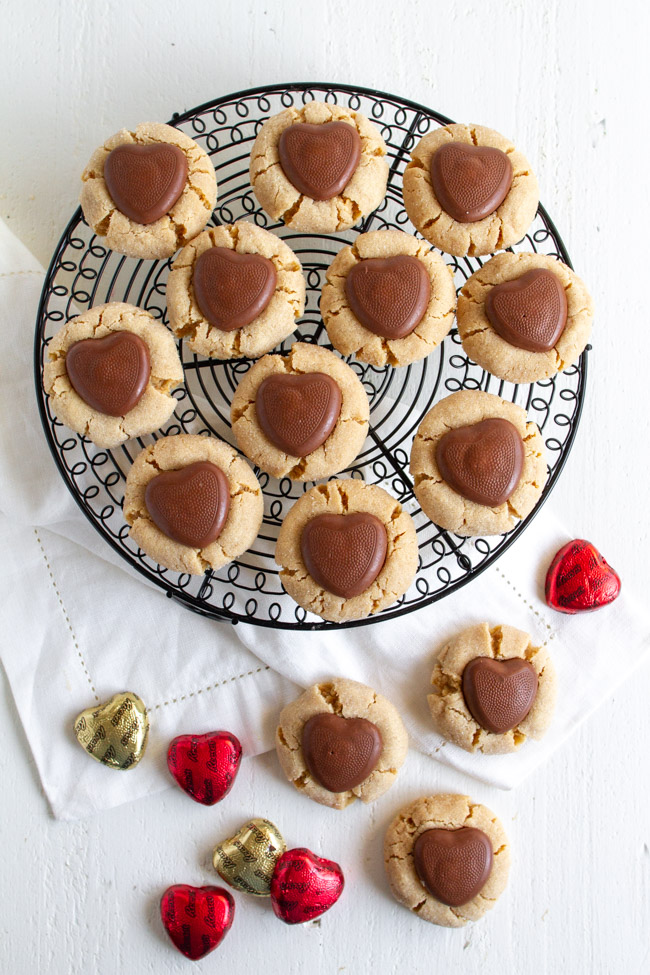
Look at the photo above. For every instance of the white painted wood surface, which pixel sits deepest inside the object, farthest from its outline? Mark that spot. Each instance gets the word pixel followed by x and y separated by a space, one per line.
pixel 568 81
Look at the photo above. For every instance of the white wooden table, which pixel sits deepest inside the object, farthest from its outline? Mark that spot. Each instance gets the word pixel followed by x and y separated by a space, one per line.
pixel 568 80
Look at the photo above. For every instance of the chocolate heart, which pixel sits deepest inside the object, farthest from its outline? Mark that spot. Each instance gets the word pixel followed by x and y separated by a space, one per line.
pixel 482 461
pixel 499 693
pixel 579 580
pixel 190 505
pixel 114 733
pixel 389 295
pixel 529 312
pixel 145 181
pixel 298 413
pixel 196 919
pixel 233 289
pixel 110 374
pixel 344 553
pixel 470 182
pixel 340 752
pixel 247 860
pixel 205 766
pixel 319 159
pixel 453 864
pixel 304 886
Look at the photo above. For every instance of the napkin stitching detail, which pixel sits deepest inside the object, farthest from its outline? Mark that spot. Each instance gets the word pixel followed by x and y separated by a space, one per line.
pixel 210 687
pixel 65 614
pixel 530 606
pixel 9 274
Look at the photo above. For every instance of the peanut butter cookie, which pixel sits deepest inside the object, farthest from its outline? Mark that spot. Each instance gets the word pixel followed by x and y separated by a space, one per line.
pixel 492 689
pixel 388 299
pixel 341 741
pixel 192 503
pixel 149 191
pixel 235 291
pixel 319 168
pixel 524 317
pixel 478 465
pixel 304 415
pixel 447 859
pixel 110 374
pixel 469 191
pixel 346 550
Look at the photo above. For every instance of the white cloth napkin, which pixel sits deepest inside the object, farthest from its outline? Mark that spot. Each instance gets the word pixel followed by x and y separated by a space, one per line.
pixel 79 625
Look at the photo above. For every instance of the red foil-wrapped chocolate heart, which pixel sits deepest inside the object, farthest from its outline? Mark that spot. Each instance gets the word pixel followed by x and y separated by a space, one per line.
pixel 579 580
pixel 196 918
pixel 205 766
pixel 304 886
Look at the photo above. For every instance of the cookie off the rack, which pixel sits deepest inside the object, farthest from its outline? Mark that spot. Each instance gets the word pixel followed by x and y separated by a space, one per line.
pixel 524 317
pixel 303 416
pixel 192 503
pixel 478 464
pixel 388 299
pixel 319 168
pixel 347 550
pixel 235 290
pixel 110 373
pixel 340 741
pixel 147 192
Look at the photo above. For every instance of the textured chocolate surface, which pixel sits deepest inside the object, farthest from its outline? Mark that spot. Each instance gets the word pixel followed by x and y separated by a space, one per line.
pixel 340 752
pixel 111 373
pixel 483 461
pixel 298 413
pixel 232 289
pixel 470 182
pixel 145 181
pixel 453 864
pixel 190 505
pixel 499 693
pixel 389 295
pixel 319 160
pixel 344 553
pixel 529 312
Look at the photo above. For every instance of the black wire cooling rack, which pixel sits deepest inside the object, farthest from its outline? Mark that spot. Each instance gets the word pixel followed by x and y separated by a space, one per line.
pixel 83 273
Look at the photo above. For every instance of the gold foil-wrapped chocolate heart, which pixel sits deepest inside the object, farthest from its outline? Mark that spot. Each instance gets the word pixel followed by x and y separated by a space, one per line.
pixel 115 733
pixel 247 860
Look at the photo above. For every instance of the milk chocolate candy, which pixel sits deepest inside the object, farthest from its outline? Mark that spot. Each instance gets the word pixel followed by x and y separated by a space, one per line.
pixel 499 693
pixel 319 160
pixel 298 413
pixel 232 289
pixel 482 461
pixel 190 505
pixel 340 752
pixel 145 181
pixel 111 373
pixel 470 182
pixel 344 554
pixel 389 295
pixel 529 312
pixel 453 864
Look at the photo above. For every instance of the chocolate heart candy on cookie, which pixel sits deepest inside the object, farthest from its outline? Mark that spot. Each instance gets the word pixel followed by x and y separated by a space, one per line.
pixel 340 752
pixel 470 182
pixel 482 461
pixel 499 693
pixel 389 295
pixel 145 181
pixel 111 373
pixel 233 289
pixel 319 160
pixel 344 553
pixel 190 505
pixel 453 864
pixel 529 312
pixel 298 413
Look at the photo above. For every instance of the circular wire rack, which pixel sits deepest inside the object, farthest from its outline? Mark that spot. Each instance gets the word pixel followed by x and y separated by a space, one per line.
pixel 83 273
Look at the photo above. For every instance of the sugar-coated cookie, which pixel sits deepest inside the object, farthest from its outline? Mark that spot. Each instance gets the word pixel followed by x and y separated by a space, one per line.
pixel 110 373
pixel 447 859
pixel 341 741
pixel 468 190
pixel 147 192
pixel 388 299
pixel 477 463
pixel 319 168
